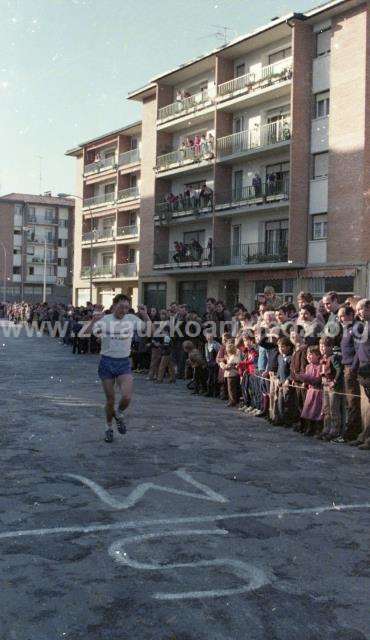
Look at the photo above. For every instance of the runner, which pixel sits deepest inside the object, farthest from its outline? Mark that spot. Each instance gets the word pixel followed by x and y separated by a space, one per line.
pixel 116 331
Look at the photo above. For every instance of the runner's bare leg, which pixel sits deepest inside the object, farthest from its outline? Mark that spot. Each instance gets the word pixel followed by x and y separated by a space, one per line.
pixel 125 384
pixel 108 386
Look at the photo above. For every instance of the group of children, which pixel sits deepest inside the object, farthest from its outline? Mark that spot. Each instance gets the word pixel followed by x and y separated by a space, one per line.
pixel 285 374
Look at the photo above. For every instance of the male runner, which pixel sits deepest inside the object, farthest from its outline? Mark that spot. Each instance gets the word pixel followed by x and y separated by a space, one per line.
pixel 116 330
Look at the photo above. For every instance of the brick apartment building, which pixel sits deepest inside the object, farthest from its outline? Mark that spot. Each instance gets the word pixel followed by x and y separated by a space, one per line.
pixel 107 229
pixel 280 119
pixel 29 226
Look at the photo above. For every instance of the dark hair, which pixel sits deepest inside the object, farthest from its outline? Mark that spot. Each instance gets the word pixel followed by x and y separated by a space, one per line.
pixel 305 296
pixel 290 307
pixel 348 310
pixel 121 297
pixel 213 300
pixel 284 341
pixel 282 308
pixel 314 349
pixel 310 308
pixel 327 341
pixel 332 295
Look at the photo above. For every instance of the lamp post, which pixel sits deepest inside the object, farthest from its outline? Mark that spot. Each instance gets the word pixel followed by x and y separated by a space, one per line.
pixel 5 256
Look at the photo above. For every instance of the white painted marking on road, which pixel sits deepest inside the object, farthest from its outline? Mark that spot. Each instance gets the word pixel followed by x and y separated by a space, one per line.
pixel 139 492
pixel 278 513
pixel 255 578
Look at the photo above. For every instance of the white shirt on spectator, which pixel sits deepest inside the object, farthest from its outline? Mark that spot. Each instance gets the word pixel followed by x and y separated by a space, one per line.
pixel 116 334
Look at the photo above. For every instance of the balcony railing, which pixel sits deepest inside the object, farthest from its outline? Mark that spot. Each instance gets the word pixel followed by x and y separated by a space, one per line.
pixel 100 199
pixel 128 270
pixel 257 138
pixel 129 230
pixel 182 107
pixel 185 155
pixel 260 193
pixel 98 234
pixel 129 157
pixel 256 253
pixel 100 165
pixel 40 259
pixel 254 81
pixel 166 210
pixel 128 194
pixel 186 255
pixel 40 220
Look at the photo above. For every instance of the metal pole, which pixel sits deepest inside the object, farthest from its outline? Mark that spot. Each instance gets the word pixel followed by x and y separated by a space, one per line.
pixel 4 291
pixel 91 255
pixel 44 289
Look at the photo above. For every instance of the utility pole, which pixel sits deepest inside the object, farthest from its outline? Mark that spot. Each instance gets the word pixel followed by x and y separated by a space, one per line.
pixel 44 288
pixel 4 290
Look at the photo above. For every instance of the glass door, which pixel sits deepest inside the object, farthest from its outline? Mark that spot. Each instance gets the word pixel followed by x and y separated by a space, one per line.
pixel 238 186
pixel 235 244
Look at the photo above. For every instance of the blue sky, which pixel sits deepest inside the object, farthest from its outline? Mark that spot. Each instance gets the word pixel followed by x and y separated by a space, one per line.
pixel 67 65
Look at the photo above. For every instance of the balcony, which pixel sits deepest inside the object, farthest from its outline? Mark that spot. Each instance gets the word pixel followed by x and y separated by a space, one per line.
pixel 31 219
pixel 182 207
pixel 129 157
pixel 129 230
pixel 187 256
pixel 34 239
pixel 265 193
pixel 247 254
pixel 185 156
pixel 185 106
pixel 268 76
pixel 100 165
pixel 40 259
pixel 40 278
pixel 103 198
pixel 96 235
pixel 128 194
pixel 248 141
pixel 128 270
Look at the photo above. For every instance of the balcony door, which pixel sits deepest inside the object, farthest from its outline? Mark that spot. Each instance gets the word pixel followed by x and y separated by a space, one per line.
pixel 275 120
pixel 235 244
pixel 107 260
pixel 276 237
pixel 238 186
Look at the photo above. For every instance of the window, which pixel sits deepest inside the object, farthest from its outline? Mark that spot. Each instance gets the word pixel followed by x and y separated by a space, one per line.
pixel 31 271
pixel 109 154
pixel 18 209
pixel 17 232
pixel 238 185
pixel 323 42
pixel 50 214
pixel 109 188
pixel 133 180
pixel 17 252
pixel 276 235
pixel 62 242
pixel 320 226
pixel 62 262
pixel 280 55
pixel 131 255
pixel 63 223
pixel 155 294
pixel 344 286
pixel 280 169
pixel 284 288
pixel 16 270
pixel 240 70
pixel 320 165
pixel 189 236
pixel 32 211
pixel 239 124
pixel 107 260
pixel 322 104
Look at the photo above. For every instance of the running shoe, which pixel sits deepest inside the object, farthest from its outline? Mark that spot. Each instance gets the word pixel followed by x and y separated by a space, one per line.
pixel 121 425
pixel 109 435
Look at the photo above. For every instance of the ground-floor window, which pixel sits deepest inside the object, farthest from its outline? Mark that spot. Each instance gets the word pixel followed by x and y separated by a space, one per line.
pixel 155 294
pixel 194 294
pixel 284 288
pixel 229 293
pixel 82 297
pixel 344 286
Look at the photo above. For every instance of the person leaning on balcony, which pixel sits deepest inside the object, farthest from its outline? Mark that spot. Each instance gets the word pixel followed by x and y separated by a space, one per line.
pixel 177 255
pixel 209 249
pixel 205 196
pixel 196 250
pixel 257 185
pixel 197 145
pixel 203 144
pixel 210 143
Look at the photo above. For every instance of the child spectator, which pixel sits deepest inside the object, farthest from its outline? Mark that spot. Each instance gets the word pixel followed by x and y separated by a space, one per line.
pixel 221 359
pixel 166 364
pixel 231 374
pixel 332 380
pixel 211 350
pixel 285 413
pixel 188 346
pixel 246 369
pixel 297 366
pixel 200 372
pixel 312 408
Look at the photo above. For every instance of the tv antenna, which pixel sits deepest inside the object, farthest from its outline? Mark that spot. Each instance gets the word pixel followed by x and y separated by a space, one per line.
pixel 40 173
pixel 223 33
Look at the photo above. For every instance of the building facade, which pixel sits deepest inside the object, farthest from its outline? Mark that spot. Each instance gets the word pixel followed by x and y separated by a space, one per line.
pixel 254 167
pixel 107 229
pixel 36 244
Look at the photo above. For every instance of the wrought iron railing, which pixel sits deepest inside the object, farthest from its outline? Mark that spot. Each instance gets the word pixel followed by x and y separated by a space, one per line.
pixel 265 136
pixel 253 81
pixel 129 157
pixel 255 253
pixel 185 155
pixel 100 199
pixel 181 107
pixel 167 209
pixel 99 165
pixel 129 230
pixel 257 194
pixel 186 255
pixel 128 194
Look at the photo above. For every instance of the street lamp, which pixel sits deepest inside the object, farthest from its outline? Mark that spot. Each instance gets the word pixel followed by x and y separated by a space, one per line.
pixel 5 256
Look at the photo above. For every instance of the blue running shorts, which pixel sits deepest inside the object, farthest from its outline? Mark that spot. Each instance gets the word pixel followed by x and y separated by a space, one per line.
pixel 110 368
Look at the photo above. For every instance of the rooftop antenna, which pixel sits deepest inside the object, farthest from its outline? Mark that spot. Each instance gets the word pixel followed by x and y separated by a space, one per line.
pixel 223 33
pixel 40 173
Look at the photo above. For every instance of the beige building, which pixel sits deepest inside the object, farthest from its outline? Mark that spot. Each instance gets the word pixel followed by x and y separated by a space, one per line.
pixel 36 244
pixel 254 167
pixel 107 231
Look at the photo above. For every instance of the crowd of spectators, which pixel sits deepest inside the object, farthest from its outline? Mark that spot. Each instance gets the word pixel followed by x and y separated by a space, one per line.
pixel 304 366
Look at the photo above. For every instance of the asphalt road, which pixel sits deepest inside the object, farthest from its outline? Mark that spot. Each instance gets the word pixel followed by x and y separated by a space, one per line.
pixel 241 537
